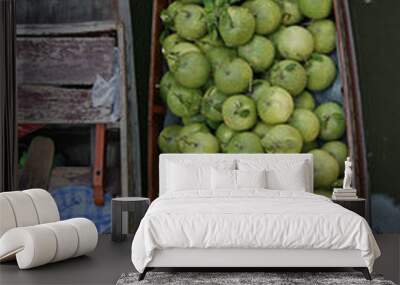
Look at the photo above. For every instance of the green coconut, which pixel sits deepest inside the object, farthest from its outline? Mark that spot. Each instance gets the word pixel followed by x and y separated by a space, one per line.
pixel 239 112
pixel 261 129
pixel 193 128
pixel 220 55
pixel 208 42
pixel 233 77
pixel 199 143
pixel 246 142
pixel 282 139
pixel 315 9
pixel 326 169
pixel 324 33
pixel 236 26
pixel 304 101
pixel 321 72
pixel 275 106
pixel 295 42
pixel 166 83
pixel 190 22
pixel 183 101
pixel 332 121
pixel 306 122
pixel 259 88
pixel 177 51
pixel 291 12
pixel 168 15
pixel 224 135
pixel 290 75
pixel 211 104
pixel 170 41
pixel 259 52
pixel 338 150
pixel 167 140
pixel 189 130
pixel 267 13
pixel 192 70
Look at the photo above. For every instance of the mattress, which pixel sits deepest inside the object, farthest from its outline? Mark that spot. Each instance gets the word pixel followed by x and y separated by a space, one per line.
pixel 250 219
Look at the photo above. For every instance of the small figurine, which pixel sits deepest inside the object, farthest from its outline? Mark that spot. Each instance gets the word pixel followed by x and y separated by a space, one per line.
pixel 348 173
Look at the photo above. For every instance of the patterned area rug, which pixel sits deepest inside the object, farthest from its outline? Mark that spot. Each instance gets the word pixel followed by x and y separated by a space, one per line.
pixel 244 278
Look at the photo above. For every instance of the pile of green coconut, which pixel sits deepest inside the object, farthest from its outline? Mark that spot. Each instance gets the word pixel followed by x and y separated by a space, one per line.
pixel 241 76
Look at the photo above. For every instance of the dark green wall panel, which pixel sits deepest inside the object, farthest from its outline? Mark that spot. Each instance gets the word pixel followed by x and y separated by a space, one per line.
pixel 376 28
pixel 141 11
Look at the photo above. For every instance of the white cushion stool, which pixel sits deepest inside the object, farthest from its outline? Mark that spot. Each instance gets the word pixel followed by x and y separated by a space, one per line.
pixel 31 230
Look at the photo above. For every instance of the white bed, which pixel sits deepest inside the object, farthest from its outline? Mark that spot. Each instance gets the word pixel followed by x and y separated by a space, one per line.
pixel 248 227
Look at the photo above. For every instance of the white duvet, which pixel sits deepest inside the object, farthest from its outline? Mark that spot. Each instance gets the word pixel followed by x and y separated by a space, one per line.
pixel 250 219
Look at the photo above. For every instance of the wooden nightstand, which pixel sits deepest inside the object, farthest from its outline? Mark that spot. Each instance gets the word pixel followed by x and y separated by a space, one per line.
pixel 356 205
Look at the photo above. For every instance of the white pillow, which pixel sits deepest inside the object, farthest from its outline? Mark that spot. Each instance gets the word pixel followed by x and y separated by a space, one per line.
pixel 251 178
pixel 226 179
pixel 193 174
pixel 181 177
pixel 290 179
pixel 223 179
pixel 281 174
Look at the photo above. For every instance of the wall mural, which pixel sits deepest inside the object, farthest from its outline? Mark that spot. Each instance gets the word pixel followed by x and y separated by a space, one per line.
pixel 237 83
pixel 232 82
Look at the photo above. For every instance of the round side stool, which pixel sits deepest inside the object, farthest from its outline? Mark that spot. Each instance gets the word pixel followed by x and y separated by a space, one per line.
pixel 136 205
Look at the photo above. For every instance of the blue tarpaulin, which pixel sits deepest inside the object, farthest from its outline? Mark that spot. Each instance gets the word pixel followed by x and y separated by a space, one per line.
pixel 77 201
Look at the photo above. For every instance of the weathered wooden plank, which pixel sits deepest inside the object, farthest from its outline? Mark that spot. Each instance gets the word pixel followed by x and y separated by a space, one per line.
pixel 53 105
pixel 126 166
pixel 82 176
pixel 64 61
pixel 82 28
pixel 62 11
pixel 130 126
pixel 66 176
pixel 137 26
pixel 154 120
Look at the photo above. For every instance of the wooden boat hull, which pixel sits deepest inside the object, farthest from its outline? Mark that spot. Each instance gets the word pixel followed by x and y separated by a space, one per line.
pixel 350 90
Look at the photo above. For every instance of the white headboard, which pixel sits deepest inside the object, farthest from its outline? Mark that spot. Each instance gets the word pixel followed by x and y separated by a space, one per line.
pixel 210 158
